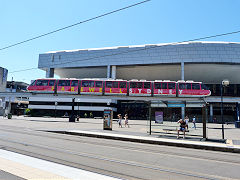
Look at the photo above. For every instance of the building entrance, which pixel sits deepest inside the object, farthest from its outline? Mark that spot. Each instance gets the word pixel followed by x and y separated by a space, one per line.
pixel 134 109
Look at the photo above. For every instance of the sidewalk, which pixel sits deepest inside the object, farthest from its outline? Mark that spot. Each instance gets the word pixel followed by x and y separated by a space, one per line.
pixel 138 132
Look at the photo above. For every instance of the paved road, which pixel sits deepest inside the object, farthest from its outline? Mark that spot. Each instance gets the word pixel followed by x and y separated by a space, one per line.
pixel 137 127
pixel 120 159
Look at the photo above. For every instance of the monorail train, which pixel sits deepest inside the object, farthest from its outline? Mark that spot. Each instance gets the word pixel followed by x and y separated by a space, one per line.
pixel 120 87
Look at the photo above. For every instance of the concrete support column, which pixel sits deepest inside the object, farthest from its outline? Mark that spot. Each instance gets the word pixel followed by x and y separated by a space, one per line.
pixel 237 110
pixel 182 70
pixel 183 112
pixel 50 73
pixel 211 112
pixel 204 121
pixel 108 71
pixel 114 71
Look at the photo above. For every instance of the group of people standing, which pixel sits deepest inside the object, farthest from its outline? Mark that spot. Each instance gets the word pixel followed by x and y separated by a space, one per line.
pixel 184 125
pixel 125 120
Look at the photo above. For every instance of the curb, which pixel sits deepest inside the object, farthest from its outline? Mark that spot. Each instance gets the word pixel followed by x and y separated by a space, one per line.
pixel 139 139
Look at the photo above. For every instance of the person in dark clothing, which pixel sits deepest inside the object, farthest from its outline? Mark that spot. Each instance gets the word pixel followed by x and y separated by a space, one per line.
pixel 182 128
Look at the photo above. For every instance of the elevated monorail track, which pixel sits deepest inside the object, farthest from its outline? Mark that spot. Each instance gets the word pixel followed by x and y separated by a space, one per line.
pixel 27 95
pixel 62 95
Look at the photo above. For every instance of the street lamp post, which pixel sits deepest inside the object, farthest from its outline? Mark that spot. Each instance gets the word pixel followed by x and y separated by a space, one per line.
pixel 224 83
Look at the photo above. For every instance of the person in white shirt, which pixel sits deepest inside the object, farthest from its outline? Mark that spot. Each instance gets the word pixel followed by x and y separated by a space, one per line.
pixel 120 120
pixel 126 120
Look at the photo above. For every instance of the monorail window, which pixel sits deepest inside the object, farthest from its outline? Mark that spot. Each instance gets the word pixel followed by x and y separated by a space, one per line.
pixel 196 86
pixel 122 84
pixel 133 84
pixel 109 84
pixel 188 86
pixel 74 83
pixel 90 83
pixel 171 85
pixel 115 84
pixel 84 83
pixel 139 85
pixel 147 85
pixel 204 87
pixel 158 85
pixel 42 83
pixel 182 86
pixel 51 82
pixel 64 83
pixel 68 82
pixel 98 83
pixel 164 85
pixel 33 83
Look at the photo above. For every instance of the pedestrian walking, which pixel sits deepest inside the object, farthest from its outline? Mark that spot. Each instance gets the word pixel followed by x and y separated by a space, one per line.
pixel 126 120
pixel 194 122
pixel 120 120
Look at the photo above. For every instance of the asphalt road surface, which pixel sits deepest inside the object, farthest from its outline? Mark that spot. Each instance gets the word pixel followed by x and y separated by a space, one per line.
pixel 121 159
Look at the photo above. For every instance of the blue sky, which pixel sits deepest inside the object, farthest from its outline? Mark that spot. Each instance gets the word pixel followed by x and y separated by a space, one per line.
pixel 157 21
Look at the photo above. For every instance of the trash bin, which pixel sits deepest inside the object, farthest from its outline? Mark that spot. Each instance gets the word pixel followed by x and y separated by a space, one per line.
pixel 10 116
pixel 72 118
pixel 237 124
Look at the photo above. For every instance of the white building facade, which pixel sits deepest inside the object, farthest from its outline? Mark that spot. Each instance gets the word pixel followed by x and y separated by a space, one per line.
pixel 208 62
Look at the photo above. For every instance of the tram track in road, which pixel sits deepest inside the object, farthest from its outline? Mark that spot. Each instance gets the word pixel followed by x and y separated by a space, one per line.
pixel 145 149
pixel 115 161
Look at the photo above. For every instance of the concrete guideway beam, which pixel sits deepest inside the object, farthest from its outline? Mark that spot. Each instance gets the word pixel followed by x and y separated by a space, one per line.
pixel 136 98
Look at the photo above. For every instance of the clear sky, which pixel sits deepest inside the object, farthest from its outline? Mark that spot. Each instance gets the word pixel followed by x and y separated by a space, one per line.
pixel 157 21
